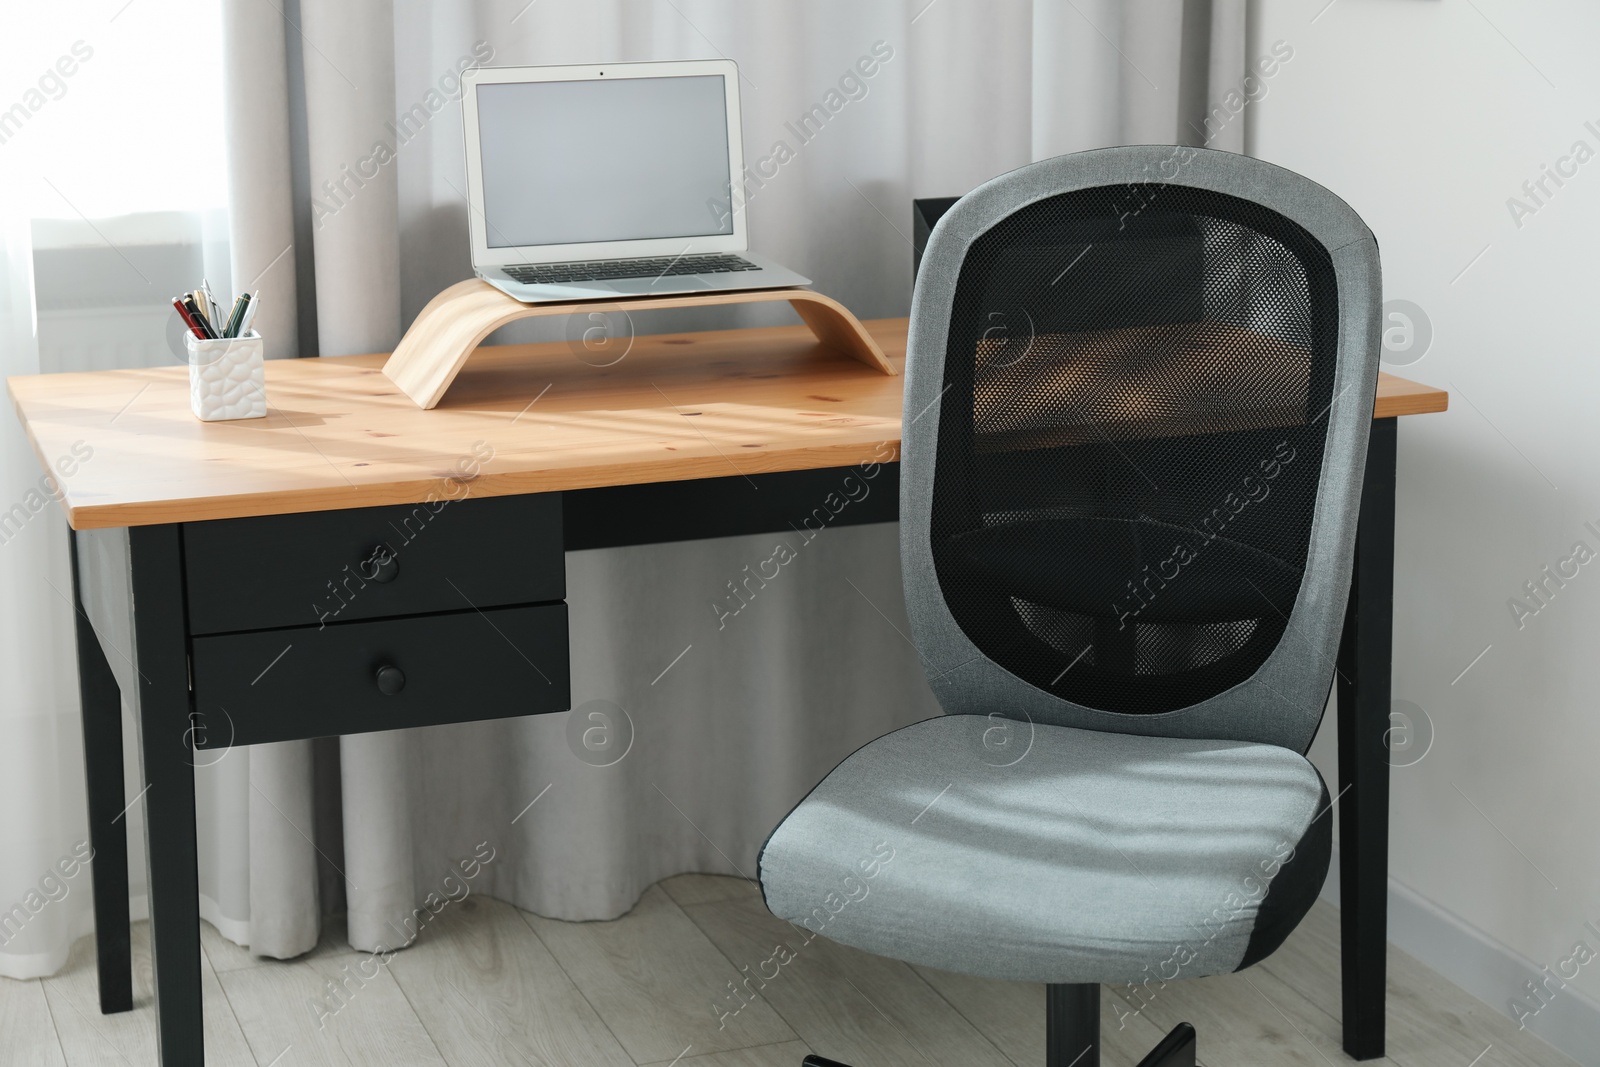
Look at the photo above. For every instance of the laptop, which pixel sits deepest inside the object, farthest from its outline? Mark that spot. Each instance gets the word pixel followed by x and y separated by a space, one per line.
pixel 617 179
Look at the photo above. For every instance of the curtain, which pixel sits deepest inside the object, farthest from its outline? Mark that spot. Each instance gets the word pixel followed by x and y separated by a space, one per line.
pixel 691 735
pixel 42 909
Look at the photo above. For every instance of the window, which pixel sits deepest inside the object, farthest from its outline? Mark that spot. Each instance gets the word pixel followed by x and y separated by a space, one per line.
pixel 111 144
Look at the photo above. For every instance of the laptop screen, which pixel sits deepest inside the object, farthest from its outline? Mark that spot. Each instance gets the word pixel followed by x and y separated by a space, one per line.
pixel 570 162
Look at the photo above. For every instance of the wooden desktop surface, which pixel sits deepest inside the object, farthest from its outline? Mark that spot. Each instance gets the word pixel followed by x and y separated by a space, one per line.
pixel 338 434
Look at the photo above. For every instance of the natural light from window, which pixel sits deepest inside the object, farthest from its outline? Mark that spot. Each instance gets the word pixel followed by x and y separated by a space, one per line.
pixel 111 108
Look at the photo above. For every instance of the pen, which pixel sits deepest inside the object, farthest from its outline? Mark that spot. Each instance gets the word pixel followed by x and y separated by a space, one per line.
pixel 202 323
pixel 213 312
pixel 249 314
pixel 202 308
pixel 236 317
pixel 188 319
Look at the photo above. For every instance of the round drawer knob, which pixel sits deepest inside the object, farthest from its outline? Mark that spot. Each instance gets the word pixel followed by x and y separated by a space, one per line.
pixel 391 680
pixel 382 565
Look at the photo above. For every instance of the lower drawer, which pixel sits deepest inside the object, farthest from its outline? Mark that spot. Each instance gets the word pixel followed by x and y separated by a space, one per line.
pixel 349 678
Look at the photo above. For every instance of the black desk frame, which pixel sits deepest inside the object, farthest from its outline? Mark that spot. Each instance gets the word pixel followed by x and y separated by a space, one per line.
pixel 155 639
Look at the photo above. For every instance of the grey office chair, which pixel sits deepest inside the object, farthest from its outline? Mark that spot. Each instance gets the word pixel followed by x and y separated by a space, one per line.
pixel 1139 387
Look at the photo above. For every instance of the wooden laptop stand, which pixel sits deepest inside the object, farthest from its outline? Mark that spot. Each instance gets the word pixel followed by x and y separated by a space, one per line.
pixel 456 321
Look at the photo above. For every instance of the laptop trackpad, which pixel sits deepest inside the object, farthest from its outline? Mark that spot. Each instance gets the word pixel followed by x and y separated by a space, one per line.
pixel 679 283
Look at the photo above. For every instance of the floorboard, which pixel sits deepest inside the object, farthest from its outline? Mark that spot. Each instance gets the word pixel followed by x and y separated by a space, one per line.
pixel 488 984
pixel 488 991
pixel 845 1004
pixel 129 1037
pixel 1431 1023
pixel 27 1032
pixel 1011 1015
pixel 786 1054
pixel 341 1010
pixel 655 980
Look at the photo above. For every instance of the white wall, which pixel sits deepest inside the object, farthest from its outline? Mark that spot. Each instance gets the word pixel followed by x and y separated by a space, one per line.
pixel 1427 115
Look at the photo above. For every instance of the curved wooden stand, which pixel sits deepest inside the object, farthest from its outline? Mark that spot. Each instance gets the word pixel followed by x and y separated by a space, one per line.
pixel 456 321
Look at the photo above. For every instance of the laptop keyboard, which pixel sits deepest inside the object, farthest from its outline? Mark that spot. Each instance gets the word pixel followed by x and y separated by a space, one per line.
pixel 657 267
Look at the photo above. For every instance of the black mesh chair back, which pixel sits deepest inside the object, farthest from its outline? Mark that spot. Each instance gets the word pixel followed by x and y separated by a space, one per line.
pixel 1140 383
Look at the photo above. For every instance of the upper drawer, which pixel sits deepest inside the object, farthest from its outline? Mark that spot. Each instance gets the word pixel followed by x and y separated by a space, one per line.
pixel 365 563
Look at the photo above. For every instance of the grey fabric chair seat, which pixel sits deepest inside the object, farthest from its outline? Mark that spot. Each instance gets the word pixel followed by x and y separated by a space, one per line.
pixel 1051 854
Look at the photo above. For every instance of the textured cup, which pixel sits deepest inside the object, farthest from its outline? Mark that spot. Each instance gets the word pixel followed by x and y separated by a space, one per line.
pixel 227 379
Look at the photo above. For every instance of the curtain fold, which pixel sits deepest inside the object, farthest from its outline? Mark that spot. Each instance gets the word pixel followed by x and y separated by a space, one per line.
pixel 257 104
pixel 694 729
pixel 350 118
pixel 41 764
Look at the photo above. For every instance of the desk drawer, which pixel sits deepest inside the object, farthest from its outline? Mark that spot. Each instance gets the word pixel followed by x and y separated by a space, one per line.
pixel 349 678
pixel 321 568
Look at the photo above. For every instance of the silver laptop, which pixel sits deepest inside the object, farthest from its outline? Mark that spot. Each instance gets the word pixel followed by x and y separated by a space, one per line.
pixel 615 179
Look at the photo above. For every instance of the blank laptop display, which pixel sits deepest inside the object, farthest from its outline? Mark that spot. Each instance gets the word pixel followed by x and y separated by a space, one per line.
pixel 566 162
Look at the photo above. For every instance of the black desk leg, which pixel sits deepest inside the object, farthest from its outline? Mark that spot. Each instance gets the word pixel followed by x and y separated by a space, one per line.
pixel 168 760
pixel 108 834
pixel 1365 654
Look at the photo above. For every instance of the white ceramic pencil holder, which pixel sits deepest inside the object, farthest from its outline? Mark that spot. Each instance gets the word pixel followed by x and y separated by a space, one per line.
pixel 227 378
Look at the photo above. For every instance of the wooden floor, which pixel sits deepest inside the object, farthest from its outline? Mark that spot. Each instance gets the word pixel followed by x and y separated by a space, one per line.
pixel 487 984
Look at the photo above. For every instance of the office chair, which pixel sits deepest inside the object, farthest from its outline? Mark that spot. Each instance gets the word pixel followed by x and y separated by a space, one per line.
pixel 1139 387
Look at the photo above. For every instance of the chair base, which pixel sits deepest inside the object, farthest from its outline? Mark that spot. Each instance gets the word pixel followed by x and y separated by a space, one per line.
pixel 1177 1049
pixel 1065 1006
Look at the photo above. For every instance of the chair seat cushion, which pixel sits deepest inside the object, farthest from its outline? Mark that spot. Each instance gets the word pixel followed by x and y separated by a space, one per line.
pixel 1038 853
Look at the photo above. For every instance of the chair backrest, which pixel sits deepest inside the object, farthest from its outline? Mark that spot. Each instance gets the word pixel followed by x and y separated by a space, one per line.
pixel 1140 383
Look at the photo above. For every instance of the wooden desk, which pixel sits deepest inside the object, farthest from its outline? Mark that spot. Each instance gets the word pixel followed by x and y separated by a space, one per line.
pixel 340 435
pixel 202 549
